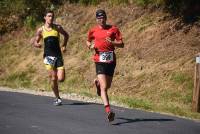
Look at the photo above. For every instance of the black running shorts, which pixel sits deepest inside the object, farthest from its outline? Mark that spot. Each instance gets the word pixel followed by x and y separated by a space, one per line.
pixel 105 68
pixel 59 64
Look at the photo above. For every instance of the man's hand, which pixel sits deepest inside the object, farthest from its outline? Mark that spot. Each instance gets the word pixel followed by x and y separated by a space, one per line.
pixel 90 45
pixel 115 43
pixel 108 39
pixel 63 49
pixel 38 45
pixel 198 54
pixel 35 41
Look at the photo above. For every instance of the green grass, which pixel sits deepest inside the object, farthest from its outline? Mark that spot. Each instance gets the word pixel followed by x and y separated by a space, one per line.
pixel 117 2
pixel 171 108
pixel 18 80
pixel 170 95
pixel 182 79
pixel 134 103
pixel 87 94
pixel 179 77
pixel 142 2
pixel 89 2
pixel 163 107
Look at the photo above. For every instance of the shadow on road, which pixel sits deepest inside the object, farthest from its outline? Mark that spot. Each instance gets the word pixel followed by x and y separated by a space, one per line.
pixel 80 103
pixel 127 120
pixel 77 103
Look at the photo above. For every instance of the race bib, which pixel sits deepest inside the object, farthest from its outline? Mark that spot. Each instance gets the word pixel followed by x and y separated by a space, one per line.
pixel 50 60
pixel 106 56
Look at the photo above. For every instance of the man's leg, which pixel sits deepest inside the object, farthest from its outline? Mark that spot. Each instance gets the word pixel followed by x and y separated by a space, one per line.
pixel 105 83
pixel 97 84
pixel 54 82
pixel 103 87
pixel 61 75
pixel 54 85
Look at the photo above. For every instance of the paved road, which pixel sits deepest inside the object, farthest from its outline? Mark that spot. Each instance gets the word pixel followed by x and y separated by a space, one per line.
pixel 30 114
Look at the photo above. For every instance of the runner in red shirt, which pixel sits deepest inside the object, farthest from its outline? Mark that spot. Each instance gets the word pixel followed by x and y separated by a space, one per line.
pixel 103 38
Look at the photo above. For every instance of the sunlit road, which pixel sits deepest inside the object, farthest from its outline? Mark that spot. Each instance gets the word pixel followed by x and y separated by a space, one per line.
pixel 30 114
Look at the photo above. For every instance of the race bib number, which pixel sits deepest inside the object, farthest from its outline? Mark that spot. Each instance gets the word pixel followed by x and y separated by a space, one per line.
pixel 106 56
pixel 50 60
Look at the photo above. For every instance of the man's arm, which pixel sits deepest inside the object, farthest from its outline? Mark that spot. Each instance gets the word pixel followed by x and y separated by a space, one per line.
pixel 90 39
pixel 66 37
pixel 116 43
pixel 37 39
pixel 90 45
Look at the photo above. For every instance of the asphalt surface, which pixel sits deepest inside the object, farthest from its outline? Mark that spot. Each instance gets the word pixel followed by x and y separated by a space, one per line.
pixel 30 114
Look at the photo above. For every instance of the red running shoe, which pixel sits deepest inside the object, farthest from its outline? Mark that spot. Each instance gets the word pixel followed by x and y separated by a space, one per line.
pixel 111 116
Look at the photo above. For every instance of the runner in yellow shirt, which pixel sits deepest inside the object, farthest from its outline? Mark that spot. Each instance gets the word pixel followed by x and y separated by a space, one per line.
pixel 53 59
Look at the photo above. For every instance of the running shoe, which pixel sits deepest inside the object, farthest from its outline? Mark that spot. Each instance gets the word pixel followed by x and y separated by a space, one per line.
pixel 97 87
pixel 111 116
pixel 57 102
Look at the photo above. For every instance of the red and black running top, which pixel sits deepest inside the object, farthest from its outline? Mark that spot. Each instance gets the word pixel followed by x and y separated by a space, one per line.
pixel 99 35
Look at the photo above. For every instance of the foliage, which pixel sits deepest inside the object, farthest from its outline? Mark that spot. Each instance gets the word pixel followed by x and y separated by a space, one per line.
pixel 189 9
pixel 30 22
pixel 142 2
pixel 89 2
pixel 16 13
pixel 117 2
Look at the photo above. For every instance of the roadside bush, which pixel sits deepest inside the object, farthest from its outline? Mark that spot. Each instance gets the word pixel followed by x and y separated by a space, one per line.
pixel 189 9
pixel 15 13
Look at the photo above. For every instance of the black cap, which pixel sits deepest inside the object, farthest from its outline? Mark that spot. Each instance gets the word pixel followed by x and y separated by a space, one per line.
pixel 100 14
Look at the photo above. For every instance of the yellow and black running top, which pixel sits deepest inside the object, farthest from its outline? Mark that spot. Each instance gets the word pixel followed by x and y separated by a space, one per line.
pixel 51 42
